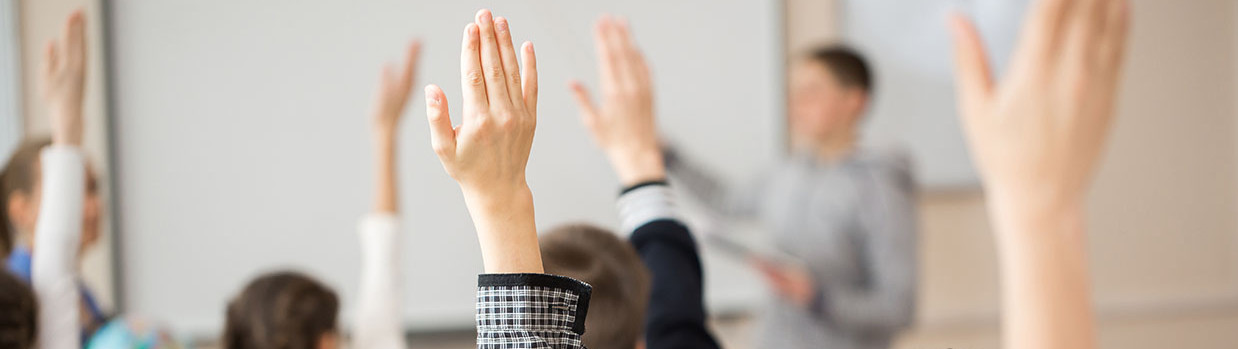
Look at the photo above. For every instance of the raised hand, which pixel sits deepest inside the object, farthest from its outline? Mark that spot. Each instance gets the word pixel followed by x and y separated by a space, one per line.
pixel 393 90
pixel 624 126
pixel 1039 133
pixel 1036 137
pixel 488 152
pixel 64 78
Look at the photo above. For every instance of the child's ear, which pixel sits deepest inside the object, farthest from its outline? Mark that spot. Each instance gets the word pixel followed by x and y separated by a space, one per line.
pixel 329 340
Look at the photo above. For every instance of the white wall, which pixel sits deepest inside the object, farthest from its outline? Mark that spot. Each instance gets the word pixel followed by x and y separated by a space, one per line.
pixel 243 136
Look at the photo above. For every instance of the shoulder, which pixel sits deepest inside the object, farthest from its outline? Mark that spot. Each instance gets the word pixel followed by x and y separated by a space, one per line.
pixel 892 163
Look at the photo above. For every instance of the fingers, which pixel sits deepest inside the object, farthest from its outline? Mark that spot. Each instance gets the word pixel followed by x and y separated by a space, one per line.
pixel 1043 30
pixel 74 39
pixel 473 81
pixel 491 62
pixel 410 66
pixel 1084 22
pixel 634 60
pixel 1112 45
pixel 607 64
pixel 442 135
pixel 588 111
pixel 972 72
pixel 511 67
pixel 620 57
pixel 529 77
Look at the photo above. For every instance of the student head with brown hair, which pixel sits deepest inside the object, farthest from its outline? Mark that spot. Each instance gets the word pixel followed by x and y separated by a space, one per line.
pixel 620 282
pixel 18 184
pixel 283 310
pixel 18 313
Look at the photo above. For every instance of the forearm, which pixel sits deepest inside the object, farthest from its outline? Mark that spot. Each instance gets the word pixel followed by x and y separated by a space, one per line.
pixel 385 191
pixel 57 236
pixel 1045 289
pixel 504 220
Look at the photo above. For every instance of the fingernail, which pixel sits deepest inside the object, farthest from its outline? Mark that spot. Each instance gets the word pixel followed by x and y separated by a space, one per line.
pixel 484 16
pixel 501 23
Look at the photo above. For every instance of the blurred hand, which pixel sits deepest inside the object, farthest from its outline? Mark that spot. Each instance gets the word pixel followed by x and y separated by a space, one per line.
pixel 64 78
pixel 1038 134
pixel 488 152
pixel 794 284
pixel 624 126
pixel 1036 137
pixel 393 89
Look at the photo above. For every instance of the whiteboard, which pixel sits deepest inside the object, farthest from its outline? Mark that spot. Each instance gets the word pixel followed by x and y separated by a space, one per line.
pixel 242 143
pixel 910 52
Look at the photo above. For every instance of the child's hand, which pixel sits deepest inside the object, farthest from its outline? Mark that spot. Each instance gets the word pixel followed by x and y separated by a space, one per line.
pixel 488 152
pixel 624 127
pixel 393 92
pixel 64 79
pixel 393 89
pixel 1037 135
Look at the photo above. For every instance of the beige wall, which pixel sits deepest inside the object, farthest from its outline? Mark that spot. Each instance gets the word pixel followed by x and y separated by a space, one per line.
pixel 1162 212
pixel 41 21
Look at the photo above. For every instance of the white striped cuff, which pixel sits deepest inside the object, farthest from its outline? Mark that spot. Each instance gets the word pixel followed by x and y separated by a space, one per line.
pixel 646 204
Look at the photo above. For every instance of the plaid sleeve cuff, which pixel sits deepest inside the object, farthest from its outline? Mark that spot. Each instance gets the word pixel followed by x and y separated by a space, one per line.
pixel 531 311
pixel 644 203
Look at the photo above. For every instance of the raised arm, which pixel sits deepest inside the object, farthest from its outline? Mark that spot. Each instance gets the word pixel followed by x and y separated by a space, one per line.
pixel 59 227
pixel 625 129
pixel 517 305
pixel 1036 137
pixel 378 323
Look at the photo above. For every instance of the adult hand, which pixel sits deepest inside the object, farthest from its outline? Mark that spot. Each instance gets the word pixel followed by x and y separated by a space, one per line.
pixel 624 125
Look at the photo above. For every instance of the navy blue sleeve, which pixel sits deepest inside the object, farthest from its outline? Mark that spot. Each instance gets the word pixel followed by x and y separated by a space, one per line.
pixel 676 316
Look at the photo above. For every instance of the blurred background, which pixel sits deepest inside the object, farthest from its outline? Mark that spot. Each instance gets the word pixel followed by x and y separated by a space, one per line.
pixel 222 131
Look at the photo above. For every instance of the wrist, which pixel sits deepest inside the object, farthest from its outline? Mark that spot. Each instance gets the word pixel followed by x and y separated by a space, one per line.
pixel 64 131
pixel 504 219
pixel 638 165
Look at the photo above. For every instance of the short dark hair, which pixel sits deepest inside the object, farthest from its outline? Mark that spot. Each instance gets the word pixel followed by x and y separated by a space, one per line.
pixel 620 281
pixel 280 310
pixel 848 66
pixel 19 313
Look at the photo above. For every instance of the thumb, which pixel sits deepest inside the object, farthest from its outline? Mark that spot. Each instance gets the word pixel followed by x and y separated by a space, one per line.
pixel 442 135
pixel 587 109
pixel 971 67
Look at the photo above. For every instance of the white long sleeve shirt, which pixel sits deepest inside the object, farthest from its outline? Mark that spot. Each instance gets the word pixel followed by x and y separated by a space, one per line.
pixel 378 322
pixel 57 237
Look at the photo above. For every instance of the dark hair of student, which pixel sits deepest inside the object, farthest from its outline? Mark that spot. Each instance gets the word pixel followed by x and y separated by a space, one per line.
pixel 620 281
pixel 280 310
pixel 18 313
pixel 847 65
pixel 20 175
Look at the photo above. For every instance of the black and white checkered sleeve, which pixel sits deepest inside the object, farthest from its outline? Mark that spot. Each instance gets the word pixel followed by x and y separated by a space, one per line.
pixel 530 311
